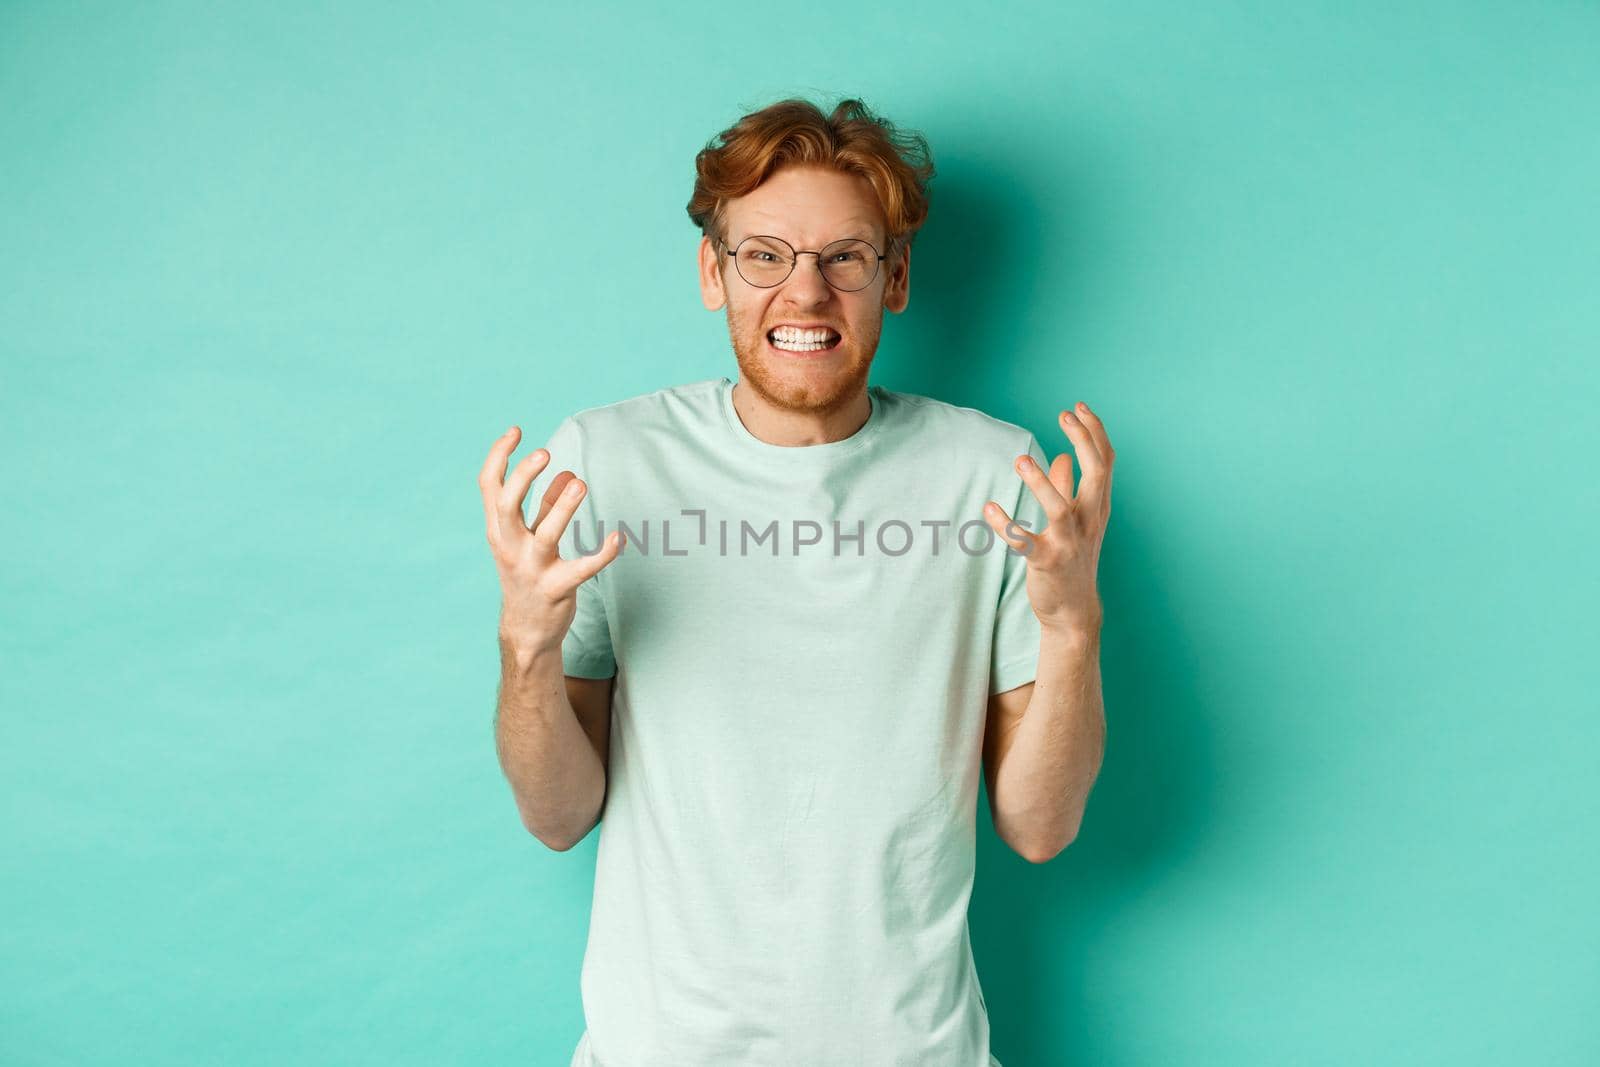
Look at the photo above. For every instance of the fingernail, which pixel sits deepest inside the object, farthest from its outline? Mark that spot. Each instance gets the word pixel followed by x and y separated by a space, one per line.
pixel 1025 463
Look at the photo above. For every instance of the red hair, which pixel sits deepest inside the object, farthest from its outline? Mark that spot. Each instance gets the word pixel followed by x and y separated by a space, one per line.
pixel 852 140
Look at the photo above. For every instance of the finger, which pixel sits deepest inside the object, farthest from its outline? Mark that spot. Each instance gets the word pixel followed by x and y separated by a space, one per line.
pixel 574 572
pixel 1097 430
pixel 1109 454
pixel 1088 453
pixel 1061 471
pixel 509 506
pixel 1083 442
pixel 1048 493
pixel 491 477
pixel 1012 533
pixel 552 493
pixel 552 527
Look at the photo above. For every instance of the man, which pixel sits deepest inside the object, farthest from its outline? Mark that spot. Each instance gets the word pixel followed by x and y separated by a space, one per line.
pixel 826 617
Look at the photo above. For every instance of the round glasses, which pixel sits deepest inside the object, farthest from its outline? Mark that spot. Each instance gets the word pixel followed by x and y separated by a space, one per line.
pixel 765 261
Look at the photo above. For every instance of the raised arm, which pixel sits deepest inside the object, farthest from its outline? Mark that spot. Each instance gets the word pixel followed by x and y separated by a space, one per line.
pixel 552 747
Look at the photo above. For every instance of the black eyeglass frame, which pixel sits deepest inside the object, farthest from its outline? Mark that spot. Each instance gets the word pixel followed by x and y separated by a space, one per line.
pixel 795 259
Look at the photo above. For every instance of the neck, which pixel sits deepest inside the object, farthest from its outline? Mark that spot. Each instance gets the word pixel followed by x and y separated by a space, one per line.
pixel 790 427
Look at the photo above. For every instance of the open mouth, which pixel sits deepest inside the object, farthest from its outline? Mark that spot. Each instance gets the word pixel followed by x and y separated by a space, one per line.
pixel 803 342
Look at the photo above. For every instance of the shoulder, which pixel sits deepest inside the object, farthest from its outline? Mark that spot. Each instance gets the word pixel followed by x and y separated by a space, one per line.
pixel 967 428
pixel 666 407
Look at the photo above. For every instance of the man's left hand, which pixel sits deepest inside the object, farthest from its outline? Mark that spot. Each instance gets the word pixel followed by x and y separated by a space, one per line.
pixel 1063 557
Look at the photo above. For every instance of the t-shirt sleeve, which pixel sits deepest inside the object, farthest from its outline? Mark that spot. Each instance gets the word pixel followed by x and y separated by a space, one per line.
pixel 586 651
pixel 1014 658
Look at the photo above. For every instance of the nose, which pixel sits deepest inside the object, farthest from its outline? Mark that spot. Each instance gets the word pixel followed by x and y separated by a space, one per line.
pixel 805 284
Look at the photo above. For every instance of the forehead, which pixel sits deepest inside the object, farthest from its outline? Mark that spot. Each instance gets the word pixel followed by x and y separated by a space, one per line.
pixel 808 204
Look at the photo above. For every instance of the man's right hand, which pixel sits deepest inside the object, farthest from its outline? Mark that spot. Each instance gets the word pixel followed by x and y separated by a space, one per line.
pixel 539 588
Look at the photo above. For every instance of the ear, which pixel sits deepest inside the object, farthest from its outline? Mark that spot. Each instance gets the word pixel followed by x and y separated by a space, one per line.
pixel 712 293
pixel 897 291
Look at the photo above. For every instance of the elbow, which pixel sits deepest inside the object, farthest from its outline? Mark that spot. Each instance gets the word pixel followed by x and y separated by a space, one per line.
pixel 554 844
pixel 547 839
pixel 559 830
pixel 545 834
pixel 1044 852
pixel 1039 855
pixel 556 840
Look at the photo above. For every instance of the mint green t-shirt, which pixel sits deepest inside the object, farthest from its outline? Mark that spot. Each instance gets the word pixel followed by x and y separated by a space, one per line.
pixel 804 640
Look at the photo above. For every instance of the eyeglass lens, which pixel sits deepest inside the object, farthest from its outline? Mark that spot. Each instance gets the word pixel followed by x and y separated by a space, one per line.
pixel 766 261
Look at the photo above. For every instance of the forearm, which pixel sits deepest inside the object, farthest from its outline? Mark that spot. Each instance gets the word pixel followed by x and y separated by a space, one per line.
pixel 1056 750
pixel 555 774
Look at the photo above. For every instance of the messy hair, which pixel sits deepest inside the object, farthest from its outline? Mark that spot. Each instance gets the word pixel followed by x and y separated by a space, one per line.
pixel 851 140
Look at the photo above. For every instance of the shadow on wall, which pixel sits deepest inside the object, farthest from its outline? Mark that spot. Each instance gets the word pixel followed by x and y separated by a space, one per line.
pixel 978 283
pixel 1038 931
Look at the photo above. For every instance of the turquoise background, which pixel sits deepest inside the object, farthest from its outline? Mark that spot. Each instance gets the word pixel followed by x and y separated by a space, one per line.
pixel 272 279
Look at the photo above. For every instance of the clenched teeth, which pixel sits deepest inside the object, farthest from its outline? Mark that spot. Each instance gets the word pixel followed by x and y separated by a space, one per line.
pixel 802 337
